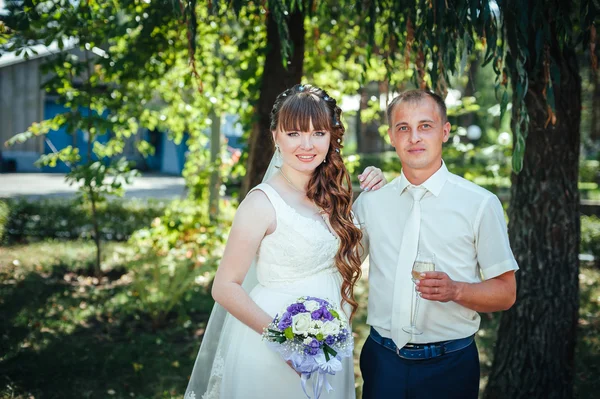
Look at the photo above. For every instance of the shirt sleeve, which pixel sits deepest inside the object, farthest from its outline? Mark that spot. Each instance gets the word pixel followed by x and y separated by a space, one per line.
pixel 493 247
pixel 360 221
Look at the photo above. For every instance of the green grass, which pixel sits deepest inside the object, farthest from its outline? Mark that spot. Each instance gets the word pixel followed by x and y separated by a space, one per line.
pixel 67 334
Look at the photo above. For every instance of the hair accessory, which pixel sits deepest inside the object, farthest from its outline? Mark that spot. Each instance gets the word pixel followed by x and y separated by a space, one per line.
pixel 301 88
pixel 284 95
pixel 337 123
pixel 337 150
pixel 339 140
pixel 326 98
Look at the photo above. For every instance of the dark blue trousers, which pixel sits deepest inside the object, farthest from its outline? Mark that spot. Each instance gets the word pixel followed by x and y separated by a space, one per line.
pixel 454 375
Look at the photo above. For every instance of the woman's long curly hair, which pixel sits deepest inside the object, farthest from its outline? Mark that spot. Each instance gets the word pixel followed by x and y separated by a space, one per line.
pixel 329 187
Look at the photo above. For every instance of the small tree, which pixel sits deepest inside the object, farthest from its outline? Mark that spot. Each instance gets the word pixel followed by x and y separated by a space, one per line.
pixel 112 56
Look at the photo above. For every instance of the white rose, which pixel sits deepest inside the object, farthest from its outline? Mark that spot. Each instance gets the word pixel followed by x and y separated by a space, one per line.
pixel 301 323
pixel 308 341
pixel 330 328
pixel 315 327
pixel 311 306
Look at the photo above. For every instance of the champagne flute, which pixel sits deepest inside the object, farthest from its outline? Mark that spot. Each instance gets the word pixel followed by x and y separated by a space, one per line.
pixel 423 263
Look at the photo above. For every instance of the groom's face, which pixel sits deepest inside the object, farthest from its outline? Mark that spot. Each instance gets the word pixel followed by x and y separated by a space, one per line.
pixel 417 132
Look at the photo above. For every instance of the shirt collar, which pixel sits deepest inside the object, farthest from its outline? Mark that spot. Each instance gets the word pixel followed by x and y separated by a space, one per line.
pixel 434 184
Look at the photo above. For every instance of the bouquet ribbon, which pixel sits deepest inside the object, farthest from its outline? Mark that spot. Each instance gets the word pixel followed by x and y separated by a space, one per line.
pixel 321 367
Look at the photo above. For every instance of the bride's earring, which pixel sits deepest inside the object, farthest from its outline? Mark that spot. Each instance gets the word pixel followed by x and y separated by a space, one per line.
pixel 277 152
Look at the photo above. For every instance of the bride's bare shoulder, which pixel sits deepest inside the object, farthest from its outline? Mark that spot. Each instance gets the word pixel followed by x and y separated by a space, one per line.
pixel 258 204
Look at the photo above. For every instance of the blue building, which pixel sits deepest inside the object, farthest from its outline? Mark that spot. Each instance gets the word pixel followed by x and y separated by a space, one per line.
pixel 23 102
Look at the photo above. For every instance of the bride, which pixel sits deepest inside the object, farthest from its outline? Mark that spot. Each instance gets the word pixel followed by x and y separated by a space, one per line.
pixel 293 235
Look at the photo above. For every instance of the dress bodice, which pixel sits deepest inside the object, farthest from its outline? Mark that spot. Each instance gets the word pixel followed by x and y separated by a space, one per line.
pixel 300 247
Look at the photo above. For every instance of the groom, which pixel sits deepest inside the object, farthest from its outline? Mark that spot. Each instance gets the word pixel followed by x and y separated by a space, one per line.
pixel 431 212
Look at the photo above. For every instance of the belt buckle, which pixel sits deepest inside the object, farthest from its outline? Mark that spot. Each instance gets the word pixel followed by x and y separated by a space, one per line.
pixel 406 346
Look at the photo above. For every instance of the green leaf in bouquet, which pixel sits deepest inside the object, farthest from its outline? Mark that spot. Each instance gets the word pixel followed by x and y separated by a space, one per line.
pixel 328 350
pixel 289 334
pixel 335 314
pixel 276 335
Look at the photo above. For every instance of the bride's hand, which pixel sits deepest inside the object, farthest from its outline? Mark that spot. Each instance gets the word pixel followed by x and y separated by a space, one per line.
pixel 289 362
pixel 372 179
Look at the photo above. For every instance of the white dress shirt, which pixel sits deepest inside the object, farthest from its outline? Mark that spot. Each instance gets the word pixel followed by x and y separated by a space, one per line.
pixel 462 224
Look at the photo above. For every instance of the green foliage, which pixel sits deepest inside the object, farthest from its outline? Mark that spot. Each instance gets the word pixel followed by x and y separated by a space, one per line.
pixel 126 66
pixel 180 247
pixel 590 236
pixel 79 76
pixel 4 213
pixel 588 170
pixel 102 180
pixel 431 41
pixel 28 220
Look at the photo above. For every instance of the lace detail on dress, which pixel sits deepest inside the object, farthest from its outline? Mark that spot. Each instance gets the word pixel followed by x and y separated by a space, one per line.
pixel 299 247
pixel 216 377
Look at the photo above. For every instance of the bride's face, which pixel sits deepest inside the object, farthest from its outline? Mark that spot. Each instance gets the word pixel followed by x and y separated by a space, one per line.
pixel 303 151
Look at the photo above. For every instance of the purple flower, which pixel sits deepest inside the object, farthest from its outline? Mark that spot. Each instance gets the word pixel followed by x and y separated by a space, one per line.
pixel 326 314
pixel 296 308
pixel 311 351
pixel 343 335
pixel 320 313
pixel 330 340
pixel 317 314
pixel 313 347
pixel 285 322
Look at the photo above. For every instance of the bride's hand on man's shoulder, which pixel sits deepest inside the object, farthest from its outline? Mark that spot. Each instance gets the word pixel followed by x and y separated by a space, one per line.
pixel 371 179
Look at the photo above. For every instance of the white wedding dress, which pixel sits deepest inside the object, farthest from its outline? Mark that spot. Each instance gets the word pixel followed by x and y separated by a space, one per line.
pixel 297 259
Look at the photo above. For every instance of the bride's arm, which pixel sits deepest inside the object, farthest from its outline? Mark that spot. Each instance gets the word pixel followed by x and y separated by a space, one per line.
pixel 254 219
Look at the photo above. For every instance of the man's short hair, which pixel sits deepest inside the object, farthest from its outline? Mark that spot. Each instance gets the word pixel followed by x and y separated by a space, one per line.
pixel 414 97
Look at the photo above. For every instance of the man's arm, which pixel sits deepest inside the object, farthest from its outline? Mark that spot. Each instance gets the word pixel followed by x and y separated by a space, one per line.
pixel 498 293
pixel 494 256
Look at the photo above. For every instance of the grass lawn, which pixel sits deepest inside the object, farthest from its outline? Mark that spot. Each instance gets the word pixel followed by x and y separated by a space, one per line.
pixel 66 334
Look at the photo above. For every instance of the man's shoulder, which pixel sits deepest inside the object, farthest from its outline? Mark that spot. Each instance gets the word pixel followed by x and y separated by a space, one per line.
pixel 467 187
pixel 386 191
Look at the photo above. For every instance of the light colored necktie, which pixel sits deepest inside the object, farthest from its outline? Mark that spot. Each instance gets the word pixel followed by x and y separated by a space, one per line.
pixel 403 285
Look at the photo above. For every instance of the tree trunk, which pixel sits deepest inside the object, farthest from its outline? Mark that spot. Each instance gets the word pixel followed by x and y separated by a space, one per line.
pixel 368 139
pixel 276 78
pixel 97 269
pixel 595 119
pixel 470 89
pixel 534 354
pixel 215 177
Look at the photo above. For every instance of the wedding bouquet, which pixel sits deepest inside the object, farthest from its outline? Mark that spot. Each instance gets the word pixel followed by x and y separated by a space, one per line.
pixel 311 334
